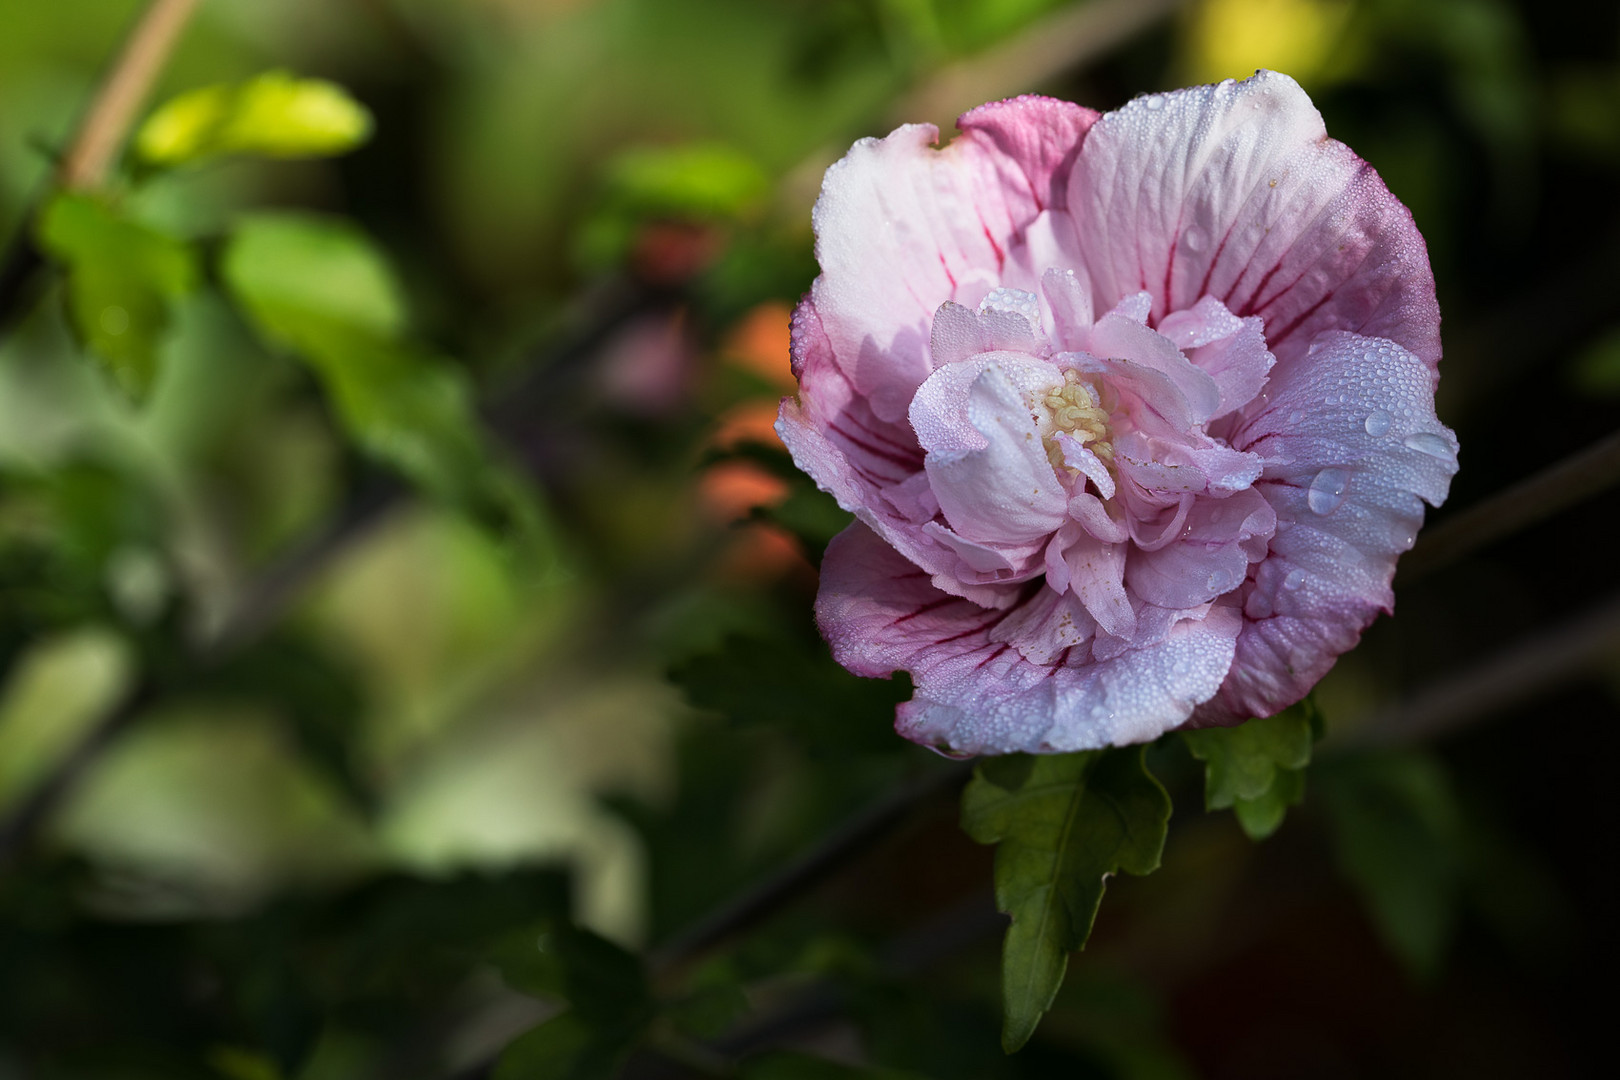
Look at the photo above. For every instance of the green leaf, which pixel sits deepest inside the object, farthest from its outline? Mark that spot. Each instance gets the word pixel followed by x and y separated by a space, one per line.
pixel 789 684
pixel 1063 822
pixel 1596 369
pixel 275 114
pixel 1257 768
pixel 305 279
pixel 784 1065
pixel 321 289
pixel 610 1005
pixel 122 281
pixel 695 181
pixel 606 985
pixel 1399 836
pixel 563 1048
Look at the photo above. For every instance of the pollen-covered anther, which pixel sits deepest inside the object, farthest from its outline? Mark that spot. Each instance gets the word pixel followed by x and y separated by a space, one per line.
pixel 1076 410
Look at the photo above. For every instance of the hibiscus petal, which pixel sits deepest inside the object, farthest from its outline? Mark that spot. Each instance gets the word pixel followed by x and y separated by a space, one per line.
pixel 1070 305
pixel 977 694
pixel 892 518
pixel 1081 459
pixel 1232 350
pixel 1004 491
pixel 1091 514
pixel 902 227
pixel 1235 191
pixel 1097 577
pixel 956 335
pixel 1118 337
pixel 1353 450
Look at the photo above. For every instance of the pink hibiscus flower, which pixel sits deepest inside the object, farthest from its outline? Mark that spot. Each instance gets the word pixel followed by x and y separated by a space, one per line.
pixel 1135 412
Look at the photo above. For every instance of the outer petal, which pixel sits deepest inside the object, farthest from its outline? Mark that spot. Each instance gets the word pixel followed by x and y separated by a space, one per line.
pixel 1353 450
pixel 883 509
pixel 978 691
pixel 1235 191
pixel 902 227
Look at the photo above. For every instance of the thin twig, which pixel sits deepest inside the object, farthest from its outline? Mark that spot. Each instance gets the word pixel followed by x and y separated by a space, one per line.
pixel 1557 487
pixel 793 881
pixel 122 93
pixel 100 135
pixel 1532 666
pixel 1059 44
pixel 1062 42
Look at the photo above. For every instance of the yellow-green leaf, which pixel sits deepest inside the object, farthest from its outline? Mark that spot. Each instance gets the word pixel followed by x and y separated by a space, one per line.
pixel 275 114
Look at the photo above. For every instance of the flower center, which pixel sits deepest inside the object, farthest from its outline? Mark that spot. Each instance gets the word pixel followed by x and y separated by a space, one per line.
pixel 1076 410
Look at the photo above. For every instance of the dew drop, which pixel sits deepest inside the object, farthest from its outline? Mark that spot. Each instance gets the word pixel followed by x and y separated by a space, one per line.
pixel 1378 422
pixel 1327 491
pixel 1295 417
pixel 1427 442
pixel 1294 580
pixel 1194 239
pixel 1154 101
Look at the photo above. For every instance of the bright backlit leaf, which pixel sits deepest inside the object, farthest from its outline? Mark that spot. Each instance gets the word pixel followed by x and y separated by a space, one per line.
pixel 1062 823
pixel 275 114
pixel 123 278
pixel 1257 768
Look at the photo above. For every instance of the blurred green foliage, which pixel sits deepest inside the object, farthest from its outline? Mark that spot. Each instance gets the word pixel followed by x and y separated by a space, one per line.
pixel 361 431
pixel 122 279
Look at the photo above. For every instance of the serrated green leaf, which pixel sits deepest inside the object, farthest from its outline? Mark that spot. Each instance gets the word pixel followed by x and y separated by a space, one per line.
pixel 1257 768
pixel 1062 823
pixel 275 114
pixel 122 281
pixel 1262 816
pixel 1399 838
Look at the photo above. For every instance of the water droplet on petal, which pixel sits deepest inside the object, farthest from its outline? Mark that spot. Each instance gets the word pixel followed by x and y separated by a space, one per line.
pixel 1154 101
pixel 1427 442
pixel 1294 580
pixel 1327 491
pixel 1194 239
pixel 1378 422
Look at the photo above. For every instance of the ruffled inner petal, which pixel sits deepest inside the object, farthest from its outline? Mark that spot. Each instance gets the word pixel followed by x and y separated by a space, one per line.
pixel 1005 491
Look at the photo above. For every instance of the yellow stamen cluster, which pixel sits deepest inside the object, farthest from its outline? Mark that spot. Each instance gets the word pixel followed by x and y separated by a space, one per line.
pixel 1076 411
